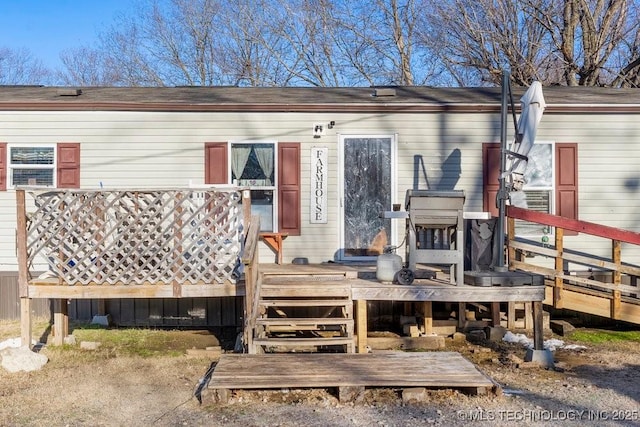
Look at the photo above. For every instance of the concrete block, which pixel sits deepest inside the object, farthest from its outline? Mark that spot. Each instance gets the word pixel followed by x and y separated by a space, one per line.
pixel 414 394
pixel 543 358
pixel 445 331
pixel 411 330
pixel 495 333
pixel 90 345
pixel 347 394
pixel 70 340
pixel 562 327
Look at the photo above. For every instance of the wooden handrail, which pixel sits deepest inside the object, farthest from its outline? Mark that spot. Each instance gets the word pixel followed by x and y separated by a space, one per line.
pixel 251 241
pixel 610 298
pixel 250 259
pixel 586 227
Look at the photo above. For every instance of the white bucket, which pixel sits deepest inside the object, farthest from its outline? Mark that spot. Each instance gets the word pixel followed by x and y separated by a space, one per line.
pixel 387 266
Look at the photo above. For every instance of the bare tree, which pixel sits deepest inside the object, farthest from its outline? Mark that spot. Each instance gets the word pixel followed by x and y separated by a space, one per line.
pixel 19 67
pixel 328 43
pixel 476 40
pixel 85 66
pixel 166 42
pixel 596 40
pixel 364 42
pixel 248 43
pixel 571 42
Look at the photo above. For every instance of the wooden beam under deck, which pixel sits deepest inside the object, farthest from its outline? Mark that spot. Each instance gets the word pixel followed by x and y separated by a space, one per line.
pixel 362 286
pixel 367 290
pixel 374 291
pixel 107 291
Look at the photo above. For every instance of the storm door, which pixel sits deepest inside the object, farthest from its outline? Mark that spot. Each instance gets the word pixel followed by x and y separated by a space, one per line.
pixel 367 183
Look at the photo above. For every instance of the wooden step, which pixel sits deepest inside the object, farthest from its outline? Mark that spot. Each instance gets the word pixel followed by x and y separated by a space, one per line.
pixel 285 342
pixel 299 290
pixel 291 321
pixel 306 302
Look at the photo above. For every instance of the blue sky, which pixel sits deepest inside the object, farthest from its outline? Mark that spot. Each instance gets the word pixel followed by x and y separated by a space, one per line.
pixel 47 27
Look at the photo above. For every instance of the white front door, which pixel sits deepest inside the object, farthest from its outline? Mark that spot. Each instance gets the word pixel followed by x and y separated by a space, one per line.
pixel 367 190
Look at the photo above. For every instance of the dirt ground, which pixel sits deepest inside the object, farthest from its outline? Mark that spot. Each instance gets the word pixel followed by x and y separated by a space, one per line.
pixel 599 385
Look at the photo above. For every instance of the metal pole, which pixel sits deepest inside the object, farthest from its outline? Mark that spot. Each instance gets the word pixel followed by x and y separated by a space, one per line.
pixel 502 192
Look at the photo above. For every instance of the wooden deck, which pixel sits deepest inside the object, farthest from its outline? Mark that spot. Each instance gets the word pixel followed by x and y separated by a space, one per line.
pixel 347 371
pixel 430 286
pixel 426 287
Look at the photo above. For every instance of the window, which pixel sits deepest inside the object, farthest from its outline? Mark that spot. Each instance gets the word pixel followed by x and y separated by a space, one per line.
pixel 253 166
pixel 271 170
pixel 31 165
pixel 538 191
pixel 551 163
pixel 42 165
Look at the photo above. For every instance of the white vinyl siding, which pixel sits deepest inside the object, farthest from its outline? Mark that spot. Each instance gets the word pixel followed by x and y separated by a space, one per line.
pixel 165 149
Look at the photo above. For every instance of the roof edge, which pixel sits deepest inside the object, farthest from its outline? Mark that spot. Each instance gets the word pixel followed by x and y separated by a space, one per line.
pixel 307 108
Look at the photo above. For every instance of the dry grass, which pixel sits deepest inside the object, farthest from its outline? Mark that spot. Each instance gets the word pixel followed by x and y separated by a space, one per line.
pixel 138 377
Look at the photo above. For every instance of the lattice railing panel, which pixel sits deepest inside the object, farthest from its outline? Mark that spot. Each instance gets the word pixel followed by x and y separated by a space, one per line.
pixel 127 236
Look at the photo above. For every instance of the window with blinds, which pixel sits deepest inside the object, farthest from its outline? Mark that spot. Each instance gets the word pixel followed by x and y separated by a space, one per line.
pixel 538 191
pixel 31 165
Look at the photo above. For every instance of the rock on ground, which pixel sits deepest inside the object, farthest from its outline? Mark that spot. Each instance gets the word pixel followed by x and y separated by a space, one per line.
pixel 16 359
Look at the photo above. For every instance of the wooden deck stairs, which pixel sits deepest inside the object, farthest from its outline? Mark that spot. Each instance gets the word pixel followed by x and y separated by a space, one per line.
pixel 310 312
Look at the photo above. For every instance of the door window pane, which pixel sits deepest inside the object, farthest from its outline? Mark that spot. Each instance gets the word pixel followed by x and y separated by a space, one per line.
pixel 367 193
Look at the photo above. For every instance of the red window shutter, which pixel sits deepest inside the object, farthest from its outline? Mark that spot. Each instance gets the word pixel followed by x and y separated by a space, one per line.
pixel 215 163
pixel 3 166
pixel 567 181
pixel 289 216
pixel 68 173
pixel 490 175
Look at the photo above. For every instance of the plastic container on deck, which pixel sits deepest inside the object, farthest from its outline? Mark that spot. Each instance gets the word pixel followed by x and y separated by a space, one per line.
pixel 387 266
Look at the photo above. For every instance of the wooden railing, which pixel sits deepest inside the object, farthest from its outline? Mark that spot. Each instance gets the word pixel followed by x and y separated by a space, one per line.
pixel 250 259
pixel 615 296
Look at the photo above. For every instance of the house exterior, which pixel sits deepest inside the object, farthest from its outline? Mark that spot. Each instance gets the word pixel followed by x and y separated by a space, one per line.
pixel 323 163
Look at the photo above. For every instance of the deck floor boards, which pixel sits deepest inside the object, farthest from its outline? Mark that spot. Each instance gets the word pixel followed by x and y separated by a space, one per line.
pixel 321 370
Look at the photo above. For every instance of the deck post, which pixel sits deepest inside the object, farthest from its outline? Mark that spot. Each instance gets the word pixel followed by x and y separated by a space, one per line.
pixel 246 210
pixel 23 269
pixel 462 314
pixel 511 315
pixel 60 321
pixel 538 339
pixel 427 312
pixel 528 316
pixel 559 267
pixel 615 305
pixel 361 325
pixel 495 314
pixel 25 322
